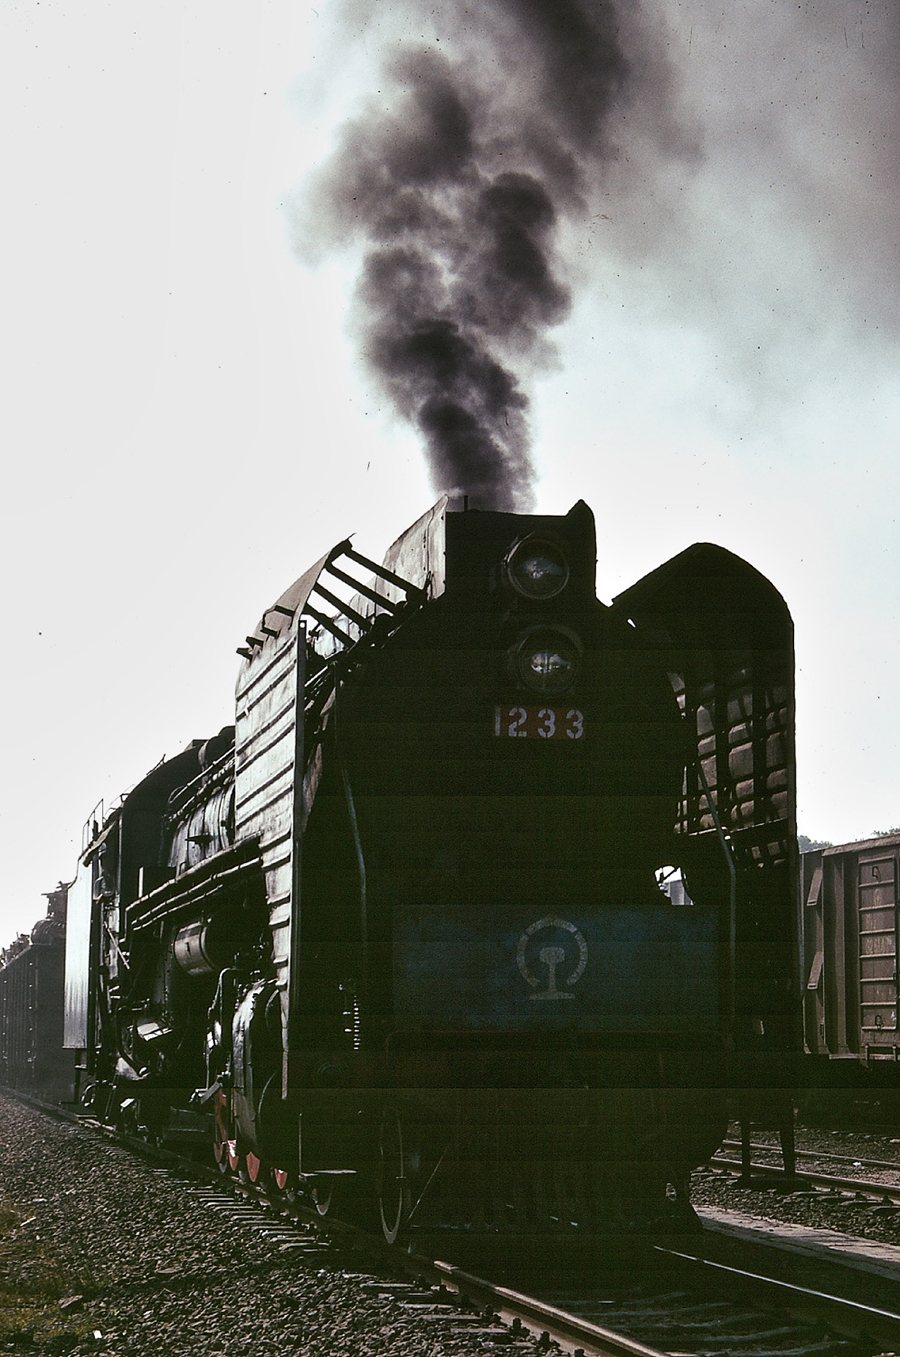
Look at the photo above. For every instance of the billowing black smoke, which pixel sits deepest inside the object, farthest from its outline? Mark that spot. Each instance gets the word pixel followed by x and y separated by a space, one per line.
pixel 457 186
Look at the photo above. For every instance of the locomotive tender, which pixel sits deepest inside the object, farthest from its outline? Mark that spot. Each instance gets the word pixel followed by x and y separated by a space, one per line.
pixel 485 902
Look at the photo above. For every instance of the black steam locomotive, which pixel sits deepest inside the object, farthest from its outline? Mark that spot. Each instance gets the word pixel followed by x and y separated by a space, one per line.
pixel 484 904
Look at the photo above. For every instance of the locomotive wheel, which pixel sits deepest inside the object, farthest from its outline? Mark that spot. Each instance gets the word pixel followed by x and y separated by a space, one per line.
pixel 393 1186
pixel 220 1133
pixel 281 1183
pixel 323 1195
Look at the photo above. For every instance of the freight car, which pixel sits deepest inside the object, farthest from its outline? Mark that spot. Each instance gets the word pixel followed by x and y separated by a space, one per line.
pixel 487 881
pixel 848 929
pixel 32 1057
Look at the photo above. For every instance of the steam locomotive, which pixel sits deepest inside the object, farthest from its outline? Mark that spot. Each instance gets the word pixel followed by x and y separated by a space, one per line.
pixel 483 906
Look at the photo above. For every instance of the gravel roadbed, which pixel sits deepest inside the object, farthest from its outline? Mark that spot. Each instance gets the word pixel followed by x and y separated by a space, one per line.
pixel 100 1254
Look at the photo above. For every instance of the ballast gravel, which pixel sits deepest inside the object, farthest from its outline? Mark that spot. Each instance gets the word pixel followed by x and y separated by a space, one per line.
pixel 132 1263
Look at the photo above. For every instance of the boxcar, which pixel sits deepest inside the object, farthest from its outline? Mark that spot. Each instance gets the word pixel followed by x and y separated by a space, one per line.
pixel 32 1058
pixel 849 929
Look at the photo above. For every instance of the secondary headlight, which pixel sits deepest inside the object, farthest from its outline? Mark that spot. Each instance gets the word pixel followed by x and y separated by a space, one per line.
pixel 547 659
pixel 537 568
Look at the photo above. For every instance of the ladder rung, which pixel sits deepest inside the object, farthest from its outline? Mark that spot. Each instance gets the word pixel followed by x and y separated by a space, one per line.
pixel 345 608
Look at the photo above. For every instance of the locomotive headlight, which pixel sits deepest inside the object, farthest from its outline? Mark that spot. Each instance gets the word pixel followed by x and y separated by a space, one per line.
pixel 537 568
pixel 547 659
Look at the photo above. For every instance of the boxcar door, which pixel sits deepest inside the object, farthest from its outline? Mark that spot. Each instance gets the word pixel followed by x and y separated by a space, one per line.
pixel 877 904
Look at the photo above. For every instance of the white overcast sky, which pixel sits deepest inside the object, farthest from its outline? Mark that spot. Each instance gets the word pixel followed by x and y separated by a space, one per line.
pixel 186 425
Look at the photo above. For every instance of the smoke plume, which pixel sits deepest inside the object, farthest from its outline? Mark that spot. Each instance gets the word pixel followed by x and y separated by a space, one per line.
pixel 456 181
pixel 720 182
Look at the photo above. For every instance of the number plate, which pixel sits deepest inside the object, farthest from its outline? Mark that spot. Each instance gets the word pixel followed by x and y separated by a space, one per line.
pixel 539 723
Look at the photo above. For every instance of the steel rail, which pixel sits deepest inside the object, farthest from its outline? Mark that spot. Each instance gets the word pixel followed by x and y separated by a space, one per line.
pixel 573 1333
pixel 863 1187
pixel 847 1317
pixel 854 1159
pixel 547 1322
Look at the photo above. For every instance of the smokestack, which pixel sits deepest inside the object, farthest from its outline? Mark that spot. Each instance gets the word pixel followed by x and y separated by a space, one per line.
pixel 457 194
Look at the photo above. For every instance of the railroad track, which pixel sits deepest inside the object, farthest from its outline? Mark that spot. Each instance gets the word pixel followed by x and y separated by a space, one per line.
pixel 892 1165
pixel 671 1302
pixel 668 1301
pixel 864 1189
pixel 679 1303
pixel 691 1307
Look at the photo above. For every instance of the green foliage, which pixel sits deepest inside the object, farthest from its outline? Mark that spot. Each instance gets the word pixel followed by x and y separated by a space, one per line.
pixel 808 845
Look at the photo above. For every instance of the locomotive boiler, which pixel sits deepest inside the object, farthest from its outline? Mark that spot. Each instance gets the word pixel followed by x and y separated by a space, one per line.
pixel 484 904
